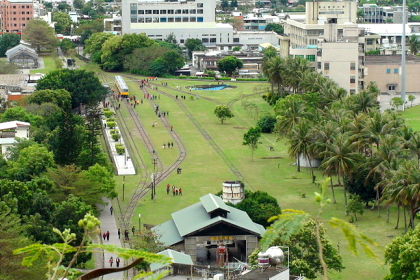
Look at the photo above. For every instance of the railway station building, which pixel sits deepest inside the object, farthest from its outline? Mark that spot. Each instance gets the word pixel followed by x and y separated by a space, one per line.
pixel 201 229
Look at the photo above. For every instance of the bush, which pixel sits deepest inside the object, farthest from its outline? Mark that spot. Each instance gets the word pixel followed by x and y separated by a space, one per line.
pixel 120 149
pixel 114 131
pixel 110 119
pixel 108 114
pixel 115 136
pixel 111 124
pixel 267 124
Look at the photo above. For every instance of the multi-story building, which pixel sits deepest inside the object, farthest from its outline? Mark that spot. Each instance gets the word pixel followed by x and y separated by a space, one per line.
pixel 184 19
pixel 331 39
pixel 379 14
pixel 15 14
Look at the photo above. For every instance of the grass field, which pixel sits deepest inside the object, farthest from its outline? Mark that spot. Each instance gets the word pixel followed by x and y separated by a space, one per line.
pixel 204 170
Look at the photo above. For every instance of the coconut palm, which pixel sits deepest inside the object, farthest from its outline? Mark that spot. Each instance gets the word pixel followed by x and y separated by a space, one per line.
pixel 290 112
pixel 295 72
pixel 274 69
pixel 362 102
pixel 340 157
pixel 414 44
pixel 357 132
pixel 301 144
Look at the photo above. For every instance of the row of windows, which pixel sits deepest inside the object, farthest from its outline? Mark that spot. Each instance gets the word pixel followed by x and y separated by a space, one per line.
pixel 14 24
pixel 170 12
pixel 164 19
pixel 21 7
pixel 388 71
pixel 20 13
pixel 14 19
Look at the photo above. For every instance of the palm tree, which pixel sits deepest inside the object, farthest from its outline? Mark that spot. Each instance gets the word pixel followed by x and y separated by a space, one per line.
pixel 273 68
pixel 357 132
pixel 296 69
pixel 406 188
pixel 414 44
pixel 340 158
pixel 362 102
pixel 290 112
pixel 301 143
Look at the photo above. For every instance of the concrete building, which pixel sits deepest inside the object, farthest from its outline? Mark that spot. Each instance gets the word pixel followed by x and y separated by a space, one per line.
pixel 380 14
pixel 385 71
pixel 10 131
pixel 200 230
pixel 15 14
pixel 331 39
pixel 185 19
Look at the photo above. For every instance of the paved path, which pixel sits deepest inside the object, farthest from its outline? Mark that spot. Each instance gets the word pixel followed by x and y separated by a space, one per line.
pixel 385 99
pixel 108 223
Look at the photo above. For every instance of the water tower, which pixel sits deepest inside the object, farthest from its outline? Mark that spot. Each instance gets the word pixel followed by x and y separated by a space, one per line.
pixel 233 191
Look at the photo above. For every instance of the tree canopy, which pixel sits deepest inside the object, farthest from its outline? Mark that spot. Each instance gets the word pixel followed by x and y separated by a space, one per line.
pixel 8 41
pixel 229 64
pixel 40 35
pixel 84 87
pixel 223 113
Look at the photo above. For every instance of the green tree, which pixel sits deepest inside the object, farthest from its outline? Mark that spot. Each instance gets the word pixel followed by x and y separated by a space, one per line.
pixel 252 139
pixel 223 113
pixel 139 61
pixel 301 140
pixel 224 5
pixel 84 87
pixel 8 41
pixel 68 47
pixel 260 206
pixel 229 64
pixel 194 45
pixel 234 3
pixel 355 207
pixel 171 39
pixel 172 61
pixel 8 68
pixel 411 98
pixel 414 44
pixel 266 124
pixel 396 102
pixel 157 67
pixel 279 29
pixel 402 256
pixel 62 22
pixel 59 97
pixel 40 35
pixel 93 45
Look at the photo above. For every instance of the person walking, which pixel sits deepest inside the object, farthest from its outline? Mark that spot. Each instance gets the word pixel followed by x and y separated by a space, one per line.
pixel 117 261
pixel 111 261
pixel 167 189
pixel 111 209
pixel 104 235
pixel 180 191
pixel 133 229
pixel 126 235
pixel 107 236
pixel 119 233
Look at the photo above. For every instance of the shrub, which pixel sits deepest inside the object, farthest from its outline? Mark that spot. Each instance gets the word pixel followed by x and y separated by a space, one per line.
pixel 111 124
pixel 120 149
pixel 115 136
pixel 110 119
pixel 114 131
pixel 267 124
pixel 108 114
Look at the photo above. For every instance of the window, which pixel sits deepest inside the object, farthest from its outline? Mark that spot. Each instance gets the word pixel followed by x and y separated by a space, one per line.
pixel 205 40
pixel 155 12
pixel 310 57
pixel 155 19
pixel 319 65
pixel 178 11
pixel 200 5
pixel 391 87
pixel 388 71
pixel 193 19
pixel 133 19
pixel 141 12
pixel 212 40
pixel 185 11
pixel 184 19
pixel 396 71
pixel 369 42
pixel 170 19
pixel 163 19
pixel 170 12
pixel 148 12
pixel 326 66
pixel 200 19
pixel 193 12
pixel 141 20
pixel 148 20
pixel 177 19
pixel 200 11
pixel 352 79
pixel 352 91
pixel 236 40
pixel 181 41
pixel 352 66
pixel 163 12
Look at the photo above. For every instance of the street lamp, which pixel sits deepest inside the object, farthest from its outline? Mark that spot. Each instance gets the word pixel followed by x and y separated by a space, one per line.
pixel 123 187
pixel 154 161
pixel 140 223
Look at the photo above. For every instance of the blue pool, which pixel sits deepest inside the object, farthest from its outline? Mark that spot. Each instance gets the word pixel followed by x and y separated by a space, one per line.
pixel 215 87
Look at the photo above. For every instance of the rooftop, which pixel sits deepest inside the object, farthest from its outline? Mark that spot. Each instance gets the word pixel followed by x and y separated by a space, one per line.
pixel 393 59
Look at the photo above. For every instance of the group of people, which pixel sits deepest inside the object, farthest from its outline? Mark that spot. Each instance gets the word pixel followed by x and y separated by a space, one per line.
pixel 105 236
pixel 181 96
pixel 175 190
pixel 170 145
pixel 117 261
pixel 126 233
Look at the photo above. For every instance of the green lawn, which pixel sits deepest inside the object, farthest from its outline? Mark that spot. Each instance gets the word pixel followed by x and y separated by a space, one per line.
pixel 204 170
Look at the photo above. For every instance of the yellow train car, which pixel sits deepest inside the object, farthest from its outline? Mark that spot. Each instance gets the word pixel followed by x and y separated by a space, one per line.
pixel 121 86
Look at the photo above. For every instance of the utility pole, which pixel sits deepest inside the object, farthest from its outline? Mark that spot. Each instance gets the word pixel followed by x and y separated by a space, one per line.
pixel 154 161
pixel 123 187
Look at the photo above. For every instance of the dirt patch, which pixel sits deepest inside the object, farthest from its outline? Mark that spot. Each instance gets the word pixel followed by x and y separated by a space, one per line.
pixel 271 157
pixel 238 127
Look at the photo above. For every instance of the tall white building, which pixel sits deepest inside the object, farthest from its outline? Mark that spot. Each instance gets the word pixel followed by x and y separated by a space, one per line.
pixel 185 19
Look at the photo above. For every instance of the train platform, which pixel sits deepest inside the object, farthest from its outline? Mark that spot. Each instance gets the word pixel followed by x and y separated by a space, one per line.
pixel 123 162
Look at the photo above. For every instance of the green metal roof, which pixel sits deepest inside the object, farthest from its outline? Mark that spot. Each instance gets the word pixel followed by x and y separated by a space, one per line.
pixel 175 256
pixel 193 218
pixel 212 202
